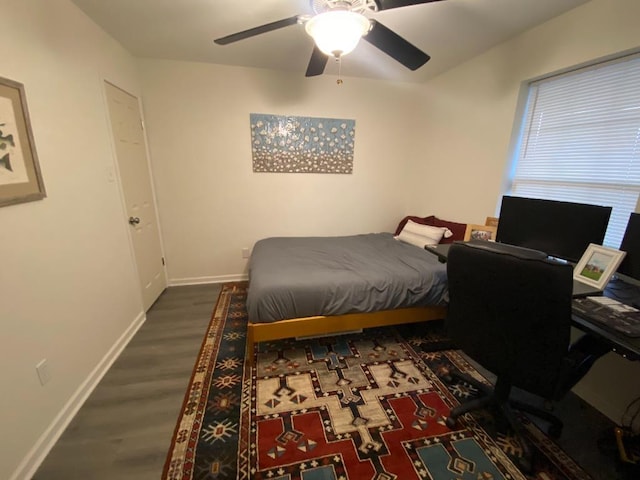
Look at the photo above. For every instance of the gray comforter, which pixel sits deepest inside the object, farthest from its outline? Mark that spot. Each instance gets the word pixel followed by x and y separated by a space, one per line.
pixel 291 277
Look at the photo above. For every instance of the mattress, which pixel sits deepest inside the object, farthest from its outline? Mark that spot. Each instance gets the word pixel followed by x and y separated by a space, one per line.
pixel 293 277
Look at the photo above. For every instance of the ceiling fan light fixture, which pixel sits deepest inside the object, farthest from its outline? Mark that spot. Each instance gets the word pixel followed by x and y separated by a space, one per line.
pixel 337 32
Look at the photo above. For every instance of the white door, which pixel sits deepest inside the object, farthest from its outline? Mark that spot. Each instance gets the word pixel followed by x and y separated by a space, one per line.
pixel 135 178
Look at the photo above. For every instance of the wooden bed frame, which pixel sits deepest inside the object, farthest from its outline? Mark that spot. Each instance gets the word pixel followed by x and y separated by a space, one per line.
pixel 327 325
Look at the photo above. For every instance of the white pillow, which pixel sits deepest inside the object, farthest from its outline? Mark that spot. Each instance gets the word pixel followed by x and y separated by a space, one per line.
pixel 433 234
pixel 414 239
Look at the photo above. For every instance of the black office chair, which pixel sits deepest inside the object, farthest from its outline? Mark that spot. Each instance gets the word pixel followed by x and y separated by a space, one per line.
pixel 510 311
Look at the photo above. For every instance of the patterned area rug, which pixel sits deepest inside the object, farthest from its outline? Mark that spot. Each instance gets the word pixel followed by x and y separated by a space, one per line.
pixel 359 406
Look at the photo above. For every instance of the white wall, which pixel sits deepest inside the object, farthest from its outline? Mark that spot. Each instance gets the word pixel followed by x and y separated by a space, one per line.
pixel 212 204
pixel 67 286
pixel 468 116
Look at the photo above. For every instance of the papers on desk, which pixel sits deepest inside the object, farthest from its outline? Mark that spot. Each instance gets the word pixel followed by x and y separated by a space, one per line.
pixel 609 313
pixel 614 305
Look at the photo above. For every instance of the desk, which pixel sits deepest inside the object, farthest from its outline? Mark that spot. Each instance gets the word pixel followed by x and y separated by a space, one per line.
pixel 628 347
pixel 441 250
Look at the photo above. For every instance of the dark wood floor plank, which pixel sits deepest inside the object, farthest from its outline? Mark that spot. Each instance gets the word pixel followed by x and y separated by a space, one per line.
pixel 124 428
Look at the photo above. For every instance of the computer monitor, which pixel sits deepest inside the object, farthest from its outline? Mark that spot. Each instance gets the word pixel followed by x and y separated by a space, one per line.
pixel 560 229
pixel 630 265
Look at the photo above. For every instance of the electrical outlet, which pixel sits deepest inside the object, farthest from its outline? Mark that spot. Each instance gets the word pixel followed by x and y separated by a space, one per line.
pixel 245 252
pixel 44 373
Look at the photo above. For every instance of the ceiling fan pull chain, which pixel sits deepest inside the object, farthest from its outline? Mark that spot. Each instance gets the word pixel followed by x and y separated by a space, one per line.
pixel 339 60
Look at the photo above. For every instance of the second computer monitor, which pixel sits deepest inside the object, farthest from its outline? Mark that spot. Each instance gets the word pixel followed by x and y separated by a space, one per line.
pixel 630 265
pixel 560 229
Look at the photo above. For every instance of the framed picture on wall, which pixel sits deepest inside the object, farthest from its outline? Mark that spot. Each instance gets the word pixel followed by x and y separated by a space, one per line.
pixel 480 232
pixel 20 178
pixel 597 265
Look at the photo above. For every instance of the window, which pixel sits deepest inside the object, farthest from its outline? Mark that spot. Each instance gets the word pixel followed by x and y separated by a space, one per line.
pixel 580 140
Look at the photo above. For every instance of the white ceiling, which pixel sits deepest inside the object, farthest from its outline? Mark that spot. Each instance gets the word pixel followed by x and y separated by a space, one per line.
pixel 451 31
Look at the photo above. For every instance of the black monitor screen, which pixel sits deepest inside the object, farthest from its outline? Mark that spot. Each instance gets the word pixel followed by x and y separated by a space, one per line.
pixel 630 265
pixel 560 229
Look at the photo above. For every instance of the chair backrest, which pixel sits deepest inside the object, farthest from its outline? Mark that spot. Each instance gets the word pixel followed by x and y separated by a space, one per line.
pixel 510 310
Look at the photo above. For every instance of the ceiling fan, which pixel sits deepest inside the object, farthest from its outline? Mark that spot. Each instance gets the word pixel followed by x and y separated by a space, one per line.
pixel 338 25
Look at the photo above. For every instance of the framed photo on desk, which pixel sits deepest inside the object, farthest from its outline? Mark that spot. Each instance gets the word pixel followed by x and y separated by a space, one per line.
pixel 480 232
pixel 597 265
pixel 492 221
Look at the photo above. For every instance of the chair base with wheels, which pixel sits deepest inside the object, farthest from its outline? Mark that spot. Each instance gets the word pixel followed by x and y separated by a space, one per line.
pixel 497 397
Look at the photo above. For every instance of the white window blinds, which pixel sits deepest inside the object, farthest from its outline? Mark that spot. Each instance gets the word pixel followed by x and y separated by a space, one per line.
pixel 580 140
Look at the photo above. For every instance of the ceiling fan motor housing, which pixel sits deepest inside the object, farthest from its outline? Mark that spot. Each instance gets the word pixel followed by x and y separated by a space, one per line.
pixel 358 6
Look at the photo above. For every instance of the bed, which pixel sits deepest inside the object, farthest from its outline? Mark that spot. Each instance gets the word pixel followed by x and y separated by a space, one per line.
pixel 303 286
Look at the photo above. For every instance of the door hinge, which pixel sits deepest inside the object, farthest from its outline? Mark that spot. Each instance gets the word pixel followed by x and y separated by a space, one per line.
pixel 163 261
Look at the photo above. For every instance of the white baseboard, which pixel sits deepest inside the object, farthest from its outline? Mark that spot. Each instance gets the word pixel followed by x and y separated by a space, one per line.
pixel 32 461
pixel 175 282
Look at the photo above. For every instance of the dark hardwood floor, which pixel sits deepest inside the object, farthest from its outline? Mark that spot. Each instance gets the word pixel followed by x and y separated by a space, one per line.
pixel 124 429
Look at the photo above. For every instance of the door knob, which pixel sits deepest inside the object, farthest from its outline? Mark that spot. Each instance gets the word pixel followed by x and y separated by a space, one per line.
pixel 134 220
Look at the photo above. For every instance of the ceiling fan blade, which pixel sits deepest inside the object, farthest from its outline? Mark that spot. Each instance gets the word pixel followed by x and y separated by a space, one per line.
pixel 395 46
pixel 268 27
pixel 389 4
pixel 317 62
